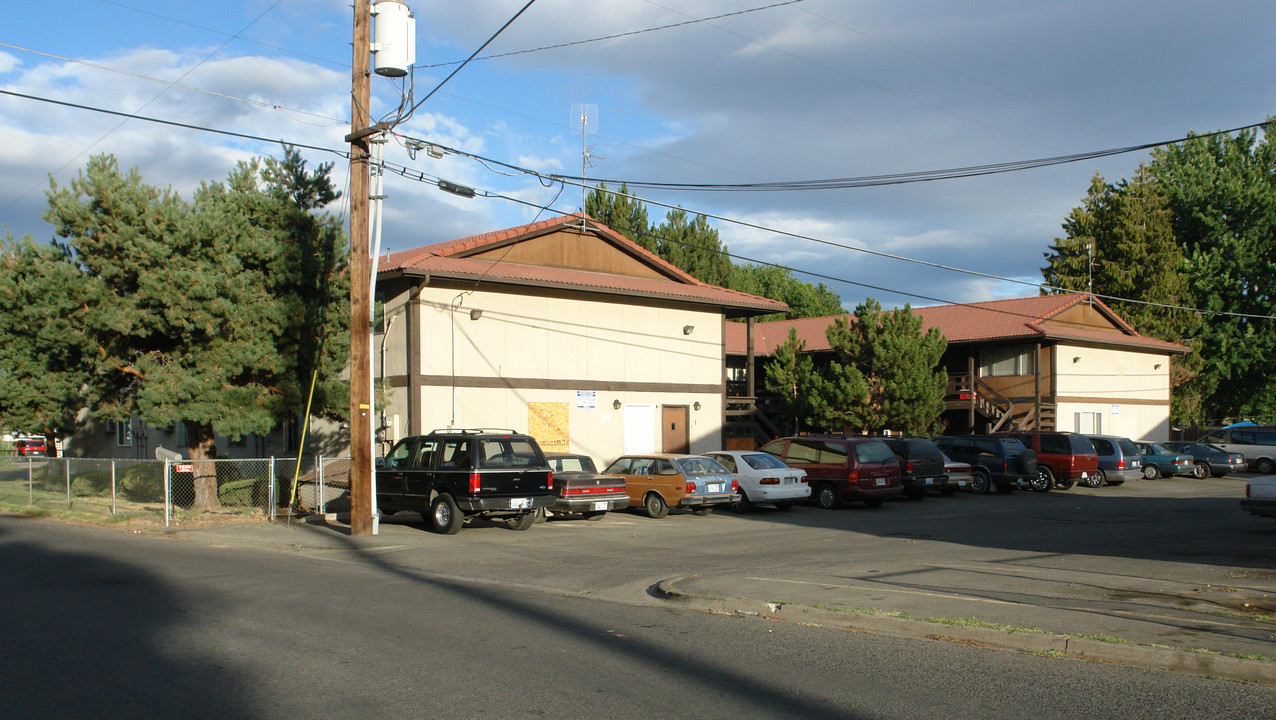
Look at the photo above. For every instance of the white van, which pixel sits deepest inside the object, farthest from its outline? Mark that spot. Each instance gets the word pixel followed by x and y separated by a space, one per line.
pixel 1256 442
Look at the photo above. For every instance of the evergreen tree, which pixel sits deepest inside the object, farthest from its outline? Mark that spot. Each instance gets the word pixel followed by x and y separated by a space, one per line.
pixel 207 313
pixel 791 377
pixel 891 368
pixel 804 299
pixel 1121 239
pixel 840 391
pixel 618 211
pixel 694 247
pixel 43 348
pixel 1221 193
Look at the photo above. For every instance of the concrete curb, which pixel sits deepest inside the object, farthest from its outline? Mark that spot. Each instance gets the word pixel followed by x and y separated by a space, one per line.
pixel 1140 656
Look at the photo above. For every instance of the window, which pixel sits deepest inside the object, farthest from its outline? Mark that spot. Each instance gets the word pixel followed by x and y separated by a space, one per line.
pixel 179 434
pixel 1088 423
pixel 124 433
pixel 1007 360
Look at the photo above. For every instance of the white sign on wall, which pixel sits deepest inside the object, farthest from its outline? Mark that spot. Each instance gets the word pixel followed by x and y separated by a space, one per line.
pixel 586 399
pixel 1116 408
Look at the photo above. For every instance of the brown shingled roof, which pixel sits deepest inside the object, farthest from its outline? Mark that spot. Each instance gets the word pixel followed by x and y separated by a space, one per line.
pixel 982 322
pixel 451 259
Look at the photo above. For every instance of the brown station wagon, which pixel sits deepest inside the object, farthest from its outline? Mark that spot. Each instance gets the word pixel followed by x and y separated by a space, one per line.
pixel 659 482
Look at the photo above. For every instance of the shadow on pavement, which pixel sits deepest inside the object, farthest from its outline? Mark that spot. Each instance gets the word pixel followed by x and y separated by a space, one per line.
pixel 84 636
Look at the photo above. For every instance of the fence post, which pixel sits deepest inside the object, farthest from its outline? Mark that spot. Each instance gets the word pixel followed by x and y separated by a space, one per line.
pixel 112 487
pixel 270 496
pixel 319 502
pixel 68 482
pixel 30 481
pixel 168 495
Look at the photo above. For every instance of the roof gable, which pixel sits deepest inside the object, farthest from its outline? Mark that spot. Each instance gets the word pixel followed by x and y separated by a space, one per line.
pixel 1076 317
pixel 571 252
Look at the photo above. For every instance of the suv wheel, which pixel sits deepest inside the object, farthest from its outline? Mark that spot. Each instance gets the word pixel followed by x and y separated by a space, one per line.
pixel 979 482
pixel 826 496
pixel 1151 472
pixel 522 522
pixel 655 506
pixel 1043 480
pixel 445 516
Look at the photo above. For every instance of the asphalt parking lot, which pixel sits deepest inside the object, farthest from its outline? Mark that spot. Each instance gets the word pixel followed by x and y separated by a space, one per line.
pixel 1170 569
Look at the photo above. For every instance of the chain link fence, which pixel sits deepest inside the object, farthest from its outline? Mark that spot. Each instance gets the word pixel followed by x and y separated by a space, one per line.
pixel 178 492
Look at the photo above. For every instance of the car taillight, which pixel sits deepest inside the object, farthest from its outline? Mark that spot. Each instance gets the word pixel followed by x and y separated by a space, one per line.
pixel 735 485
pixel 854 476
pixel 1121 464
pixel 1246 489
pixel 908 466
pixel 691 488
pixel 549 481
pixel 475 485
pixel 593 490
pixel 1005 466
pixel 769 481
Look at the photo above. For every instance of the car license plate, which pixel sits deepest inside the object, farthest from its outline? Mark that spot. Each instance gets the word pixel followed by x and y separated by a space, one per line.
pixel 520 503
pixel 880 481
pixel 789 481
pixel 600 505
pixel 715 487
pixel 930 481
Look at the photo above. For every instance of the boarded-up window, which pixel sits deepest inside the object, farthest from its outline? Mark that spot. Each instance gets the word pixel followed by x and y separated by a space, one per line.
pixel 548 423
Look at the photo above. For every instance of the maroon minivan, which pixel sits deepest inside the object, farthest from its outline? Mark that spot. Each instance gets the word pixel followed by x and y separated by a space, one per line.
pixel 1063 458
pixel 842 468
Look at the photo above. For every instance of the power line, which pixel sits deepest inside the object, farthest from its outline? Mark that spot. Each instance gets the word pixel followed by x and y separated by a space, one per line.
pixel 420 176
pixel 290 112
pixel 630 33
pixel 451 75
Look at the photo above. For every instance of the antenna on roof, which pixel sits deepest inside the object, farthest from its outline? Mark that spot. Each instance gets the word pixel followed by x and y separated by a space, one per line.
pixel 586 115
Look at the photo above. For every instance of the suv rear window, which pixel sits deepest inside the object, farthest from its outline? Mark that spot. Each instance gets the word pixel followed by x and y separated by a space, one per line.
pixel 1127 447
pixel 508 452
pixel 920 448
pixel 1080 444
pixel 1103 447
pixel 874 451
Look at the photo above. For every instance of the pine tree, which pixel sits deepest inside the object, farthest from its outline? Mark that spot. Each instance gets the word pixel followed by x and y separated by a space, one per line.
pixel 791 377
pixel 210 313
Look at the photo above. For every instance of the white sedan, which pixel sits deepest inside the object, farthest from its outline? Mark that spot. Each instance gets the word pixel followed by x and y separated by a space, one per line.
pixel 763 478
pixel 1260 496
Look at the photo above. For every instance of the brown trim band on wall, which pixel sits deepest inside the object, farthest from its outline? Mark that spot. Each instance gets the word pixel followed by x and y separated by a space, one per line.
pixel 1109 401
pixel 510 383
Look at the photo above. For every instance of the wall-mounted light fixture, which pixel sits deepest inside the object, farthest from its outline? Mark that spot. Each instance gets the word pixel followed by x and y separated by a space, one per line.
pixel 476 313
pixel 1076 358
pixel 688 329
pixel 1156 366
pixel 615 404
pixel 697 405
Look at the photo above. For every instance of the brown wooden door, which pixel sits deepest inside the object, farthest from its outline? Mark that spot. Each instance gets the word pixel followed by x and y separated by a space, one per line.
pixel 675 436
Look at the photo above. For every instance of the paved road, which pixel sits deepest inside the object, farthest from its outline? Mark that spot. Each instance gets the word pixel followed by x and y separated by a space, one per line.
pixel 235 624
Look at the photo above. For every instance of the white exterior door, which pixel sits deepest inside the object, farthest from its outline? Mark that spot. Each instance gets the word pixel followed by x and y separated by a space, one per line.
pixel 640 429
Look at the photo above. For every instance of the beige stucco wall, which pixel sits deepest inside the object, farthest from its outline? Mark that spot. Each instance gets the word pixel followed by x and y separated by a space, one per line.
pixel 579 346
pixel 1130 390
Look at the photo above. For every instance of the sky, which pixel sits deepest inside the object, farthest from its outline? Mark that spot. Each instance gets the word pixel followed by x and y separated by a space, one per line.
pixel 767 91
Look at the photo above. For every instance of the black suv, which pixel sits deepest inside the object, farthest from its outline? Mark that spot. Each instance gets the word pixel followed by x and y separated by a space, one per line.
pixel 450 476
pixel 921 466
pixel 998 461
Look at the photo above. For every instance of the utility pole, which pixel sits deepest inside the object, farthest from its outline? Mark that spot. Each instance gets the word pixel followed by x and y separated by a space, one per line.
pixel 360 267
